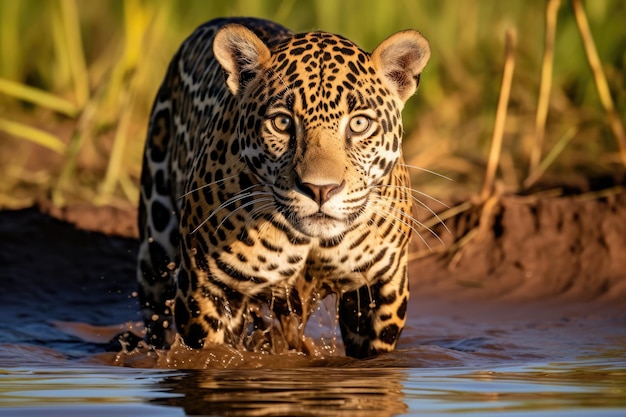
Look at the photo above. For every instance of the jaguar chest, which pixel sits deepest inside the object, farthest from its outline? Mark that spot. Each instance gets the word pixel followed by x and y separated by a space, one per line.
pixel 252 261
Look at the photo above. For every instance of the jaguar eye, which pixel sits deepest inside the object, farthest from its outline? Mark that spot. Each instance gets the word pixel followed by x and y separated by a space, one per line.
pixel 282 123
pixel 360 124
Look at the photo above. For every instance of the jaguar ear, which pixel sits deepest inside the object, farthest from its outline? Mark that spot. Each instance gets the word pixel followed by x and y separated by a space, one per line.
pixel 400 59
pixel 240 53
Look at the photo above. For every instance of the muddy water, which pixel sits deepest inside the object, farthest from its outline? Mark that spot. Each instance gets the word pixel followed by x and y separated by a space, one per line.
pixel 456 356
pixel 453 358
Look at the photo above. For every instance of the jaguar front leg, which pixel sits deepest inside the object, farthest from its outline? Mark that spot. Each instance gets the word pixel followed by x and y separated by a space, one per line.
pixel 372 317
pixel 207 311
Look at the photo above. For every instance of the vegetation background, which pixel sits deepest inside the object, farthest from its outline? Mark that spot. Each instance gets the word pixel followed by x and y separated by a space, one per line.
pixel 77 79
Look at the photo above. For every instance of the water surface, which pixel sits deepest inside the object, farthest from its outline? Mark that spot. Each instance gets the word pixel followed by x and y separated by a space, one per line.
pixel 483 362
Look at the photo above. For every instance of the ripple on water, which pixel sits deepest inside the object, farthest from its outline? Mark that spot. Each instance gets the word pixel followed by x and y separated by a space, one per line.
pixel 591 386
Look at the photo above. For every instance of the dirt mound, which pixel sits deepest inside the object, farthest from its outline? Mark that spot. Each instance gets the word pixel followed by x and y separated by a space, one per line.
pixel 112 221
pixel 525 247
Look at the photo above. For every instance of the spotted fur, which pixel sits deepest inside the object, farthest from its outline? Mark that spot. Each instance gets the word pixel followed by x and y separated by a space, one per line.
pixel 273 177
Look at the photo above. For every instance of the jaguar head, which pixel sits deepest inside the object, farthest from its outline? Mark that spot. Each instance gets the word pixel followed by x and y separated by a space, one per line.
pixel 319 120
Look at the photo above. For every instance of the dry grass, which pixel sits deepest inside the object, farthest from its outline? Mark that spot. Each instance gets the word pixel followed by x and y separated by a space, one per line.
pixel 77 80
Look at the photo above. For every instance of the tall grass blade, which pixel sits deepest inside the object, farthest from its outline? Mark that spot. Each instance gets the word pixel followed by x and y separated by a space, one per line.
pixel 10 54
pixel 136 21
pixel 75 53
pixel 37 97
pixel 501 112
pixel 545 84
pixel 554 152
pixel 602 86
pixel 84 130
pixel 32 134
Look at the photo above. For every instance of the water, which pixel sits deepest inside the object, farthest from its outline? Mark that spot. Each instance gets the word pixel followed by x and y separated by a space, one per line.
pixel 589 388
pixel 492 360
pixel 456 356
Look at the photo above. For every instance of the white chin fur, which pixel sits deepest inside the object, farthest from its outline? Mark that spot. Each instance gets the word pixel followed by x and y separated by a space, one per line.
pixel 323 228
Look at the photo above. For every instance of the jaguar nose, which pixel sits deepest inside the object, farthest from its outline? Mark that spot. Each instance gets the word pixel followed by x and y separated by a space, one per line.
pixel 319 193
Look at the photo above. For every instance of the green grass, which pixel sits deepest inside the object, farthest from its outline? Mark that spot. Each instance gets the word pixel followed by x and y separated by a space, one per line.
pixel 77 79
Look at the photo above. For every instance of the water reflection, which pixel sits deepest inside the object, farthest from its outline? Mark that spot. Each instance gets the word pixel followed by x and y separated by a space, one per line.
pixel 590 387
pixel 289 392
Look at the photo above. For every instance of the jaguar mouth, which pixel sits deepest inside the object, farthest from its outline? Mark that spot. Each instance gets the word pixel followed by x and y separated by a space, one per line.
pixel 321 220
pixel 320 225
pixel 316 223
pixel 321 216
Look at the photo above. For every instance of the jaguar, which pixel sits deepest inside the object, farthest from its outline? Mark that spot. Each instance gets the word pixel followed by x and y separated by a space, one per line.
pixel 273 177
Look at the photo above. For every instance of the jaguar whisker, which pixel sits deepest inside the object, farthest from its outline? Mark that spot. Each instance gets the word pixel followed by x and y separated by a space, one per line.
pixel 208 185
pixel 425 170
pixel 384 212
pixel 256 213
pixel 379 209
pixel 237 197
pixel 420 202
pixel 413 190
pixel 249 203
pixel 266 225
pixel 417 222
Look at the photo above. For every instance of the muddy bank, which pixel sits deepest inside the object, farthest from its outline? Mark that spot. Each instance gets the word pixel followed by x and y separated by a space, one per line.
pixel 526 247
